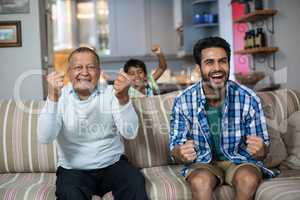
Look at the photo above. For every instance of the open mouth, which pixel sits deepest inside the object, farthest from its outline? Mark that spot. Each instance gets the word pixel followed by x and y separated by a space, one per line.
pixel 138 83
pixel 83 80
pixel 84 83
pixel 217 78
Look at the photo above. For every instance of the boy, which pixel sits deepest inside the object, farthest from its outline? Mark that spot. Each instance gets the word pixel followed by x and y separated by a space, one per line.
pixel 144 84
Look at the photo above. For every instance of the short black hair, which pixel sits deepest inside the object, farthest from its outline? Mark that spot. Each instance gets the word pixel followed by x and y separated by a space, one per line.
pixel 85 50
pixel 208 43
pixel 134 63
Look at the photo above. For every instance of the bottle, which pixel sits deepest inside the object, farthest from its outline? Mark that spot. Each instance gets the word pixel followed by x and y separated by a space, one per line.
pixel 257 39
pixel 261 37
pixel 246 42
pixel 258 5
pixel 247 8
pixel 206 17
pixel 196 19
pixel 251 38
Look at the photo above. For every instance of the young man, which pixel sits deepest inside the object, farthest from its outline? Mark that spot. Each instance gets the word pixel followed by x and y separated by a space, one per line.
pixel 87 120
pixel 218 128
pixel 144 84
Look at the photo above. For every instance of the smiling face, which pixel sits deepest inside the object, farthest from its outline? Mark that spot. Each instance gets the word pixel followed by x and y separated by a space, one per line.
pixel 214 67
pixel 138 76
pixel 84 73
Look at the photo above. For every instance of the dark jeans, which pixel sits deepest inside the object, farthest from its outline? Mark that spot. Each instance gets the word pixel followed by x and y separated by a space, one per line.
pixel 125 181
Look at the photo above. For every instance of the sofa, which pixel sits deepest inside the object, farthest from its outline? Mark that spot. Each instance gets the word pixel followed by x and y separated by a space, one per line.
pixel 27 168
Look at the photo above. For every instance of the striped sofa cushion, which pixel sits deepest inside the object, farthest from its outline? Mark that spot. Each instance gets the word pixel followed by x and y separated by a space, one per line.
pixel 27 186
pixel 279 105
pixel 284 187
pixel 150 147
pixel 19 149
pixel 164 182
pixel 31 186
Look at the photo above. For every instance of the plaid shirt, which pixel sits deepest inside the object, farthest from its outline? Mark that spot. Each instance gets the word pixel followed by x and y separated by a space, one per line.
pixel 242 115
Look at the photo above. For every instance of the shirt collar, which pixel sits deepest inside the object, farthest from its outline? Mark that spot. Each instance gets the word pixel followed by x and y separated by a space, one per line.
pixel 202 98
pixel 97 91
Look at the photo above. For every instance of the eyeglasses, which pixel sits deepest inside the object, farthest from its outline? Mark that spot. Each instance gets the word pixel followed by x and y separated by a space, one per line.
pixel 89 68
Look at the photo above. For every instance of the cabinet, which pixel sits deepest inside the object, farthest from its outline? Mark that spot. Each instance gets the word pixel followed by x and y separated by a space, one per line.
pixel 159 25
pixel 200 19
pixel 137 24
pixel 127 27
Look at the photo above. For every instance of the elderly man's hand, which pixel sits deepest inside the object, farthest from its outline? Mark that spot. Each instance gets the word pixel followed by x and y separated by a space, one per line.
pixel 256 147
pixel 121 85
pixel 55 82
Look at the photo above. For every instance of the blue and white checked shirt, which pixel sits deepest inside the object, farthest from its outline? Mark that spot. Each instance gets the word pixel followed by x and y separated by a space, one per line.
pixel 242 115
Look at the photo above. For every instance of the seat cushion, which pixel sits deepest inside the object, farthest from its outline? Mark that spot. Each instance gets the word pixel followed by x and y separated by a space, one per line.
pixel 165 182
pixel 27 186
pixel 33 186
pixel 161 183
pixel 284 187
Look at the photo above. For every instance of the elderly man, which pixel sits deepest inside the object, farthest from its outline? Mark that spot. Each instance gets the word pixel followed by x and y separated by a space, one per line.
pixel 218 128
pixel 88 121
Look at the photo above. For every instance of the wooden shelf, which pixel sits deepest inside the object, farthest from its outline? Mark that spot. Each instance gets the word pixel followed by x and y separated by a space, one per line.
pixel 206 25
pixel 257 50
pixel 255 16
pixel 203 1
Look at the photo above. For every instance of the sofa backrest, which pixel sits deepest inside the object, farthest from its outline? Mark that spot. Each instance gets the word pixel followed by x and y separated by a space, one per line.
pixel 19 148
pixel 20 151
pixel 279 105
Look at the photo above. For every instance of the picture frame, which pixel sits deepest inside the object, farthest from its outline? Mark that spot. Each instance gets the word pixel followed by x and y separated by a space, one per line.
pixel 14 6
pixel 10 34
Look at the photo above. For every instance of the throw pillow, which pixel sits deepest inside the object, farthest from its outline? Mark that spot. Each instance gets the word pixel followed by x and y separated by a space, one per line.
pixel 291 137
pixel 277 150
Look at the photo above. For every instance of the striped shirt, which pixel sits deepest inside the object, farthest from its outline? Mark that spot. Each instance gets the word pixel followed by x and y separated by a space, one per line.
pixel 242 115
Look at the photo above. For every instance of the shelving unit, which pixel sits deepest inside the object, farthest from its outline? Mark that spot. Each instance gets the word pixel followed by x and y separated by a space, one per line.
pixel 192 32
pixel 262 54
pixel 260 15
pixel 206 25
pixel 256 16
pixel 203 1
pixel 262 50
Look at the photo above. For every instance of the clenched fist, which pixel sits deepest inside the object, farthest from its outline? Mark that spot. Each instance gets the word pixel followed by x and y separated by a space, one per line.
pixel 121 86
pixel 55 82
pixel 186 152
pixel 156 50
pixel 256 147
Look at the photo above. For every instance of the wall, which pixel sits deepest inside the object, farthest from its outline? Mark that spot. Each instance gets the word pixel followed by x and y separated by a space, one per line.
pixel 287 28
pixel 225 21
pixel 286 37
pixel 17 62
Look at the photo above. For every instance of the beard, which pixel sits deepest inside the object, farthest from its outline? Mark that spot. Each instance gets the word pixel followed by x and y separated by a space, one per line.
pixel 216 80
pixel 84 88
pixel 214 83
